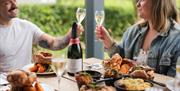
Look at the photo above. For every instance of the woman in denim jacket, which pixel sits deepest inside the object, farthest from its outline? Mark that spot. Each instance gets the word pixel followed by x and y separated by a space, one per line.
pixel 157 37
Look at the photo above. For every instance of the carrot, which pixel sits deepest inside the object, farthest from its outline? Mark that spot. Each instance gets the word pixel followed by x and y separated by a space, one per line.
pixel 41 69
pixel 33 69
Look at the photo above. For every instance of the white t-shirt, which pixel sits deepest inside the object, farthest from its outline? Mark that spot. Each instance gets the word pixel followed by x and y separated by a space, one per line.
pixel 16 43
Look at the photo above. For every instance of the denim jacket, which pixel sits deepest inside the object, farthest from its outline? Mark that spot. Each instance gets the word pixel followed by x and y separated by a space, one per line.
pixel 163 52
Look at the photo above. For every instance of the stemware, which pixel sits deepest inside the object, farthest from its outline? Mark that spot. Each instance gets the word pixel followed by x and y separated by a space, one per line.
pixel 99 17
pixel 58 66
pixel 80 15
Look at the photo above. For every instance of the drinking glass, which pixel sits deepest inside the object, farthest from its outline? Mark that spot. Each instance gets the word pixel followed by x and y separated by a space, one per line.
pixel 80 15
pixel 99 17
pixel 58 66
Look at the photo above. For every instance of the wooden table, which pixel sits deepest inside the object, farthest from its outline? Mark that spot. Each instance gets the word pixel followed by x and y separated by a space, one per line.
pixel 68 83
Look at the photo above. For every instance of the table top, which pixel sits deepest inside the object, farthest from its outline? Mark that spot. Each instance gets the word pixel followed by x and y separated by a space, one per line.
pixel 69 84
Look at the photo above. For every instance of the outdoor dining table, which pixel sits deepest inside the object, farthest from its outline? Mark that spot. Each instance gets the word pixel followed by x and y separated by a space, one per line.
pixel 68 83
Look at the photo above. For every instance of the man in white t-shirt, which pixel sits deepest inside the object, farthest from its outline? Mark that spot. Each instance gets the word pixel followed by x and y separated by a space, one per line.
pixel 17 37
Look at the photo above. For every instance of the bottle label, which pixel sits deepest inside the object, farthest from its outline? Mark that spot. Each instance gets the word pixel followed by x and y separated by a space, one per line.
pixel 75 41
pixel 74 65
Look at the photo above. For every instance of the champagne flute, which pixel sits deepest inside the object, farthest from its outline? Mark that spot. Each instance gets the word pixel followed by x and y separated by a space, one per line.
pixel 99 17
pixel 80 15
pixel 58 66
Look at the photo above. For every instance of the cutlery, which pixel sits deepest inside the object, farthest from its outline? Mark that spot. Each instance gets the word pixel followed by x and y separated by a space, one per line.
pixel 109 79
pixel 155 82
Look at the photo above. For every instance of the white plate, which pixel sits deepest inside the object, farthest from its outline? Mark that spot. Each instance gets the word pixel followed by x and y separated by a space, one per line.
pixel 3 79
pixel 170 85
pixel 26 68
pixel 44 86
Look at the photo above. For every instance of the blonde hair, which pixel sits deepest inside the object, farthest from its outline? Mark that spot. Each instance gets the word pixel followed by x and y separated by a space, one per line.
pixel 161 11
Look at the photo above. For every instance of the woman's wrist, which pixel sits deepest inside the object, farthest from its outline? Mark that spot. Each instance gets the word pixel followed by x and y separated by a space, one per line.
pixel 111 44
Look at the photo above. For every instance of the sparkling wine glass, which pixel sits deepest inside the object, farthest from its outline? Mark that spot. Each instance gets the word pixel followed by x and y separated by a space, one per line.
pixel 58 66
pixel 80 15
pixel 99 17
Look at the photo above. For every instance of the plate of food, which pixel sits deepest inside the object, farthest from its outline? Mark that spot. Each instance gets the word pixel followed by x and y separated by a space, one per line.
pixel 20 80
pixel 132 84
pixel 39 69
pixel 44 87
pixel 85 81
pixel 91 87
pixel 41 65
pixel 115 67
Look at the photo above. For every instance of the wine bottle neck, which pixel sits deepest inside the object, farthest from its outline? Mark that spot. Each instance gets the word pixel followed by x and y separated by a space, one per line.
pixel 74 41
pixel 74 30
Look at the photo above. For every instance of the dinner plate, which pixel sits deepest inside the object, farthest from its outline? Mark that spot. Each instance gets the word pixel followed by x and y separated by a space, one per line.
pixel 170 84
pixel 26 68
pixel 44 86
pixel 3 79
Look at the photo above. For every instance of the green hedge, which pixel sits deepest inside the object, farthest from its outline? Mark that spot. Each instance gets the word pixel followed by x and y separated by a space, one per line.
pixel 57 19
pixel 53 19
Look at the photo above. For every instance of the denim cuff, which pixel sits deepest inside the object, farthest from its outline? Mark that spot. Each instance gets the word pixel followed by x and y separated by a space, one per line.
pixel 113 49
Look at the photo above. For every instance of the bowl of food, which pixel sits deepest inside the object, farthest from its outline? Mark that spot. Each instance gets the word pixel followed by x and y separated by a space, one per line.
pixel 93 87
pixel 94 74
pixel 111 74
pixel 83 78
pixel 132 84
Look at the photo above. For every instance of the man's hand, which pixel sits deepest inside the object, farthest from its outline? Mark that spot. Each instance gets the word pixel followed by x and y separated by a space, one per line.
pixel 80 29
pixel 58 43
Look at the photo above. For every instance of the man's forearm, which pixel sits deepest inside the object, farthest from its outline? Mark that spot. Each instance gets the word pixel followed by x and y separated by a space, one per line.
pixel 57 44
pixel 61 43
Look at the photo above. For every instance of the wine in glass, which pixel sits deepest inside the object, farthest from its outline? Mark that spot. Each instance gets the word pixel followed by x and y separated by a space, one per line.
pixel 58 66
pixel 80 15
pixel 99 17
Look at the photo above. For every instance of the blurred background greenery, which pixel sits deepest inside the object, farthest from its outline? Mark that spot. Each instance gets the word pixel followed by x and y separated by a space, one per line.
pixel 56 19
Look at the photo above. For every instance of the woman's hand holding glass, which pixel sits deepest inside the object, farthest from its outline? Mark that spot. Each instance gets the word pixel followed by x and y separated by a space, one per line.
pixel 103 35
pixel 101 32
